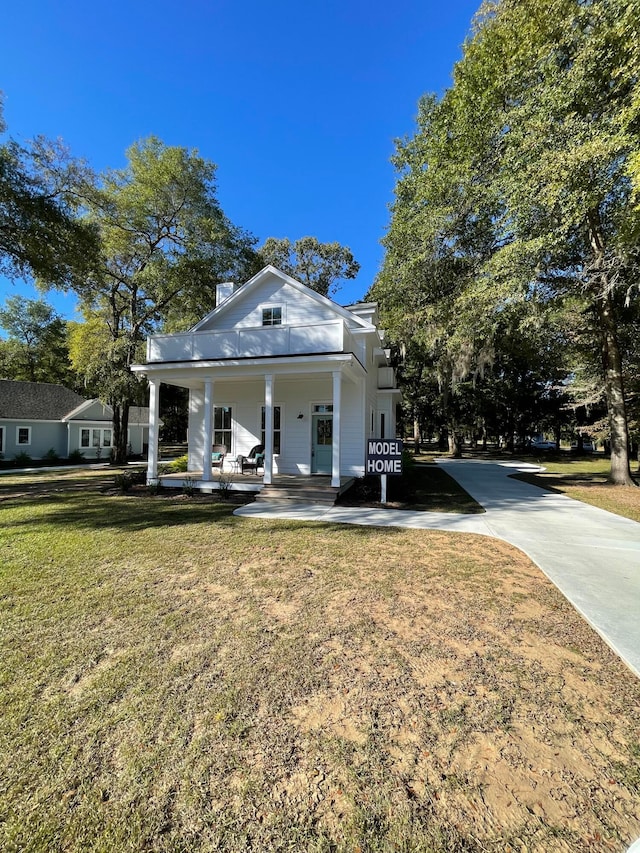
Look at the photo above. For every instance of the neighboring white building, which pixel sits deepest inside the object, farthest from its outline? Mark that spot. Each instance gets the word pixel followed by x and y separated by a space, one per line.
pixel 277 364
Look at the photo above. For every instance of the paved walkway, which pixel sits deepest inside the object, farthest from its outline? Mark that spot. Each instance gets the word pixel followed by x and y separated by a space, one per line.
pixel 591 555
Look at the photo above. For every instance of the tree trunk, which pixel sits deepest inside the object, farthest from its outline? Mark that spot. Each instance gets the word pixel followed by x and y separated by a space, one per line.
pixel 416 435
pixel 120 429
pixel 455 448
pixel 620 473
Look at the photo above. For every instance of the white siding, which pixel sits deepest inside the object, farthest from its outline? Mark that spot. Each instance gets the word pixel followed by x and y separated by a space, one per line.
pixel 247 310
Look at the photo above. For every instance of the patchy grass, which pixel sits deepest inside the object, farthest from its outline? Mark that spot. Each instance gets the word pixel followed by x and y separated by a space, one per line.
pixel 585 479
pixel 173 678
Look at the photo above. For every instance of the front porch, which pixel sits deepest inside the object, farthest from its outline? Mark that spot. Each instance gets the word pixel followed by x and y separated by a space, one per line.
pixel 284 487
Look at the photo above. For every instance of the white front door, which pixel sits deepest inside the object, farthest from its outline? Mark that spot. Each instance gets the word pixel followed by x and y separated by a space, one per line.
pixel 321 443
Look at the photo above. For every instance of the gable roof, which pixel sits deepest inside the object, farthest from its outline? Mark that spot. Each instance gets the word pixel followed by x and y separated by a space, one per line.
pixel 38 401
pixel 257 279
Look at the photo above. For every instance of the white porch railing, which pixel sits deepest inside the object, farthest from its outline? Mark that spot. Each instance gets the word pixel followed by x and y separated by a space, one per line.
pixel 333 336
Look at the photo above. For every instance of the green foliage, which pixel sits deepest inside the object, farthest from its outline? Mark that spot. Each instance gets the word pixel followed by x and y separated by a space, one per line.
pixel 181 463
pixel 21 459
pixel 514 213
pixel 164 244
pixel 51 454
pixel 40 233
pixel 76 456
pixel 36 349
pixel 318 265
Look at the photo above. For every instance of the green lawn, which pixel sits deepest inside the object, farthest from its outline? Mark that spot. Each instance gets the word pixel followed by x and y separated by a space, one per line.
pixel 174 678
pixel 585 479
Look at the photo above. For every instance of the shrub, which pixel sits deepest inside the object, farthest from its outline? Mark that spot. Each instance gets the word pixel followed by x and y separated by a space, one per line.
pixel 22 459
pixel 76 456
pixel 179 464
pixel 51 454
pixel 189 487
pixel 225 481
pixel 122 483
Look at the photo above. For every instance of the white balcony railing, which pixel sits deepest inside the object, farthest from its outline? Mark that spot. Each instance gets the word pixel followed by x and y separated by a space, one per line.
pixel 331 336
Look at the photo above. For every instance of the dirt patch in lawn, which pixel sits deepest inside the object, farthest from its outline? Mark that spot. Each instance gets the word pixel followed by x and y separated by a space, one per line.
pixel 276 686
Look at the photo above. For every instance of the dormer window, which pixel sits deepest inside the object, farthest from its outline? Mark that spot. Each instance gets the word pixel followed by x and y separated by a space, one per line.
pixel 272 316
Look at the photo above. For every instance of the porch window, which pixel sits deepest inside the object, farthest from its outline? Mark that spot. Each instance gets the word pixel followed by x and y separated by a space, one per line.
pixel 1 439
pixel 272 316
pixel 23 435
pixel 85 435
pixel 222 426
pixel 277 428
pixel 323 409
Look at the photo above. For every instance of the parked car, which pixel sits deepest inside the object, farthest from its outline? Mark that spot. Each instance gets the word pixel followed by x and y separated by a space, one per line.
pixel 543 444
pixel 587 445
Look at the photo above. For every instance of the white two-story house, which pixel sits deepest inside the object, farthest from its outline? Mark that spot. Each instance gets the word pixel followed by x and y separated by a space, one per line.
pixel 279 365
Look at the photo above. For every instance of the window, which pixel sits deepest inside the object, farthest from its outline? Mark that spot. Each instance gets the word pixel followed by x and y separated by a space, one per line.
pixel 272 316
pixel 96 438
pixel 23 435
pixel 1 439
pixel 382 425
pixel 323 409
pixel 277 428
pixel 222 426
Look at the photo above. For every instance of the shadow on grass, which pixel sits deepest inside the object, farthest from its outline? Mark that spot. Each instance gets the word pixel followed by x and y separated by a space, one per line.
pixel 102 512
pixel 552 482
pixel 423 487
pixel 133 514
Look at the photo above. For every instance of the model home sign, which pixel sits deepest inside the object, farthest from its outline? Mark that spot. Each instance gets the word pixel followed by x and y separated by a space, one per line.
pixel 384 456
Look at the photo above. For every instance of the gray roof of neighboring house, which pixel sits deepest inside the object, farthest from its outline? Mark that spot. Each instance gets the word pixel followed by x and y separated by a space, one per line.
pixel 39 401
pixel 42 401
pixel 139 415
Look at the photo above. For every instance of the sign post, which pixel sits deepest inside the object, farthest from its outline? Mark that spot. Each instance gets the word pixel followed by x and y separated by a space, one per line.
pixel 384 457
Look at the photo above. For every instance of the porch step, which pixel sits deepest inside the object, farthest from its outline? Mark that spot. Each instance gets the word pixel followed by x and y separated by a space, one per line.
pixel 298 492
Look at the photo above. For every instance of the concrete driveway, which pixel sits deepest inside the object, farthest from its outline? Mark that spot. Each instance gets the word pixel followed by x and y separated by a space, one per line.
pixel 591 555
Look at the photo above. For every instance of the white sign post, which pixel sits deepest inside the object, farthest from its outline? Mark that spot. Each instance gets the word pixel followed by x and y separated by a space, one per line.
pixel 384 457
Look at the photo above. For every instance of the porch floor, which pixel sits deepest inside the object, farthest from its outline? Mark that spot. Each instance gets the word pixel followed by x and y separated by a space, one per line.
pixel 247 482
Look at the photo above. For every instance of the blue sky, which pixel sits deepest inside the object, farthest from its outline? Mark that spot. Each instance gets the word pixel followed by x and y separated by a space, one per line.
pixel 297 103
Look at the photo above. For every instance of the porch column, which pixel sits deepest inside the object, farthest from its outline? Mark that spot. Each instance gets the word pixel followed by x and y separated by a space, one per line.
pixel 335 459
pixel 154 416
pixel 208 429
pixel 268 429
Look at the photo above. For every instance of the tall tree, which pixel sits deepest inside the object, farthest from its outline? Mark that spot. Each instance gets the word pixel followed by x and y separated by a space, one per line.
pixel 41 235
pixel 37 346
pixel 551 85
pixel 318 265
pixel 538 133
pixel 164 244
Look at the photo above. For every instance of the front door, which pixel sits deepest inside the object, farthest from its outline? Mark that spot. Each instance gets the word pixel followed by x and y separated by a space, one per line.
pixel 322 444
